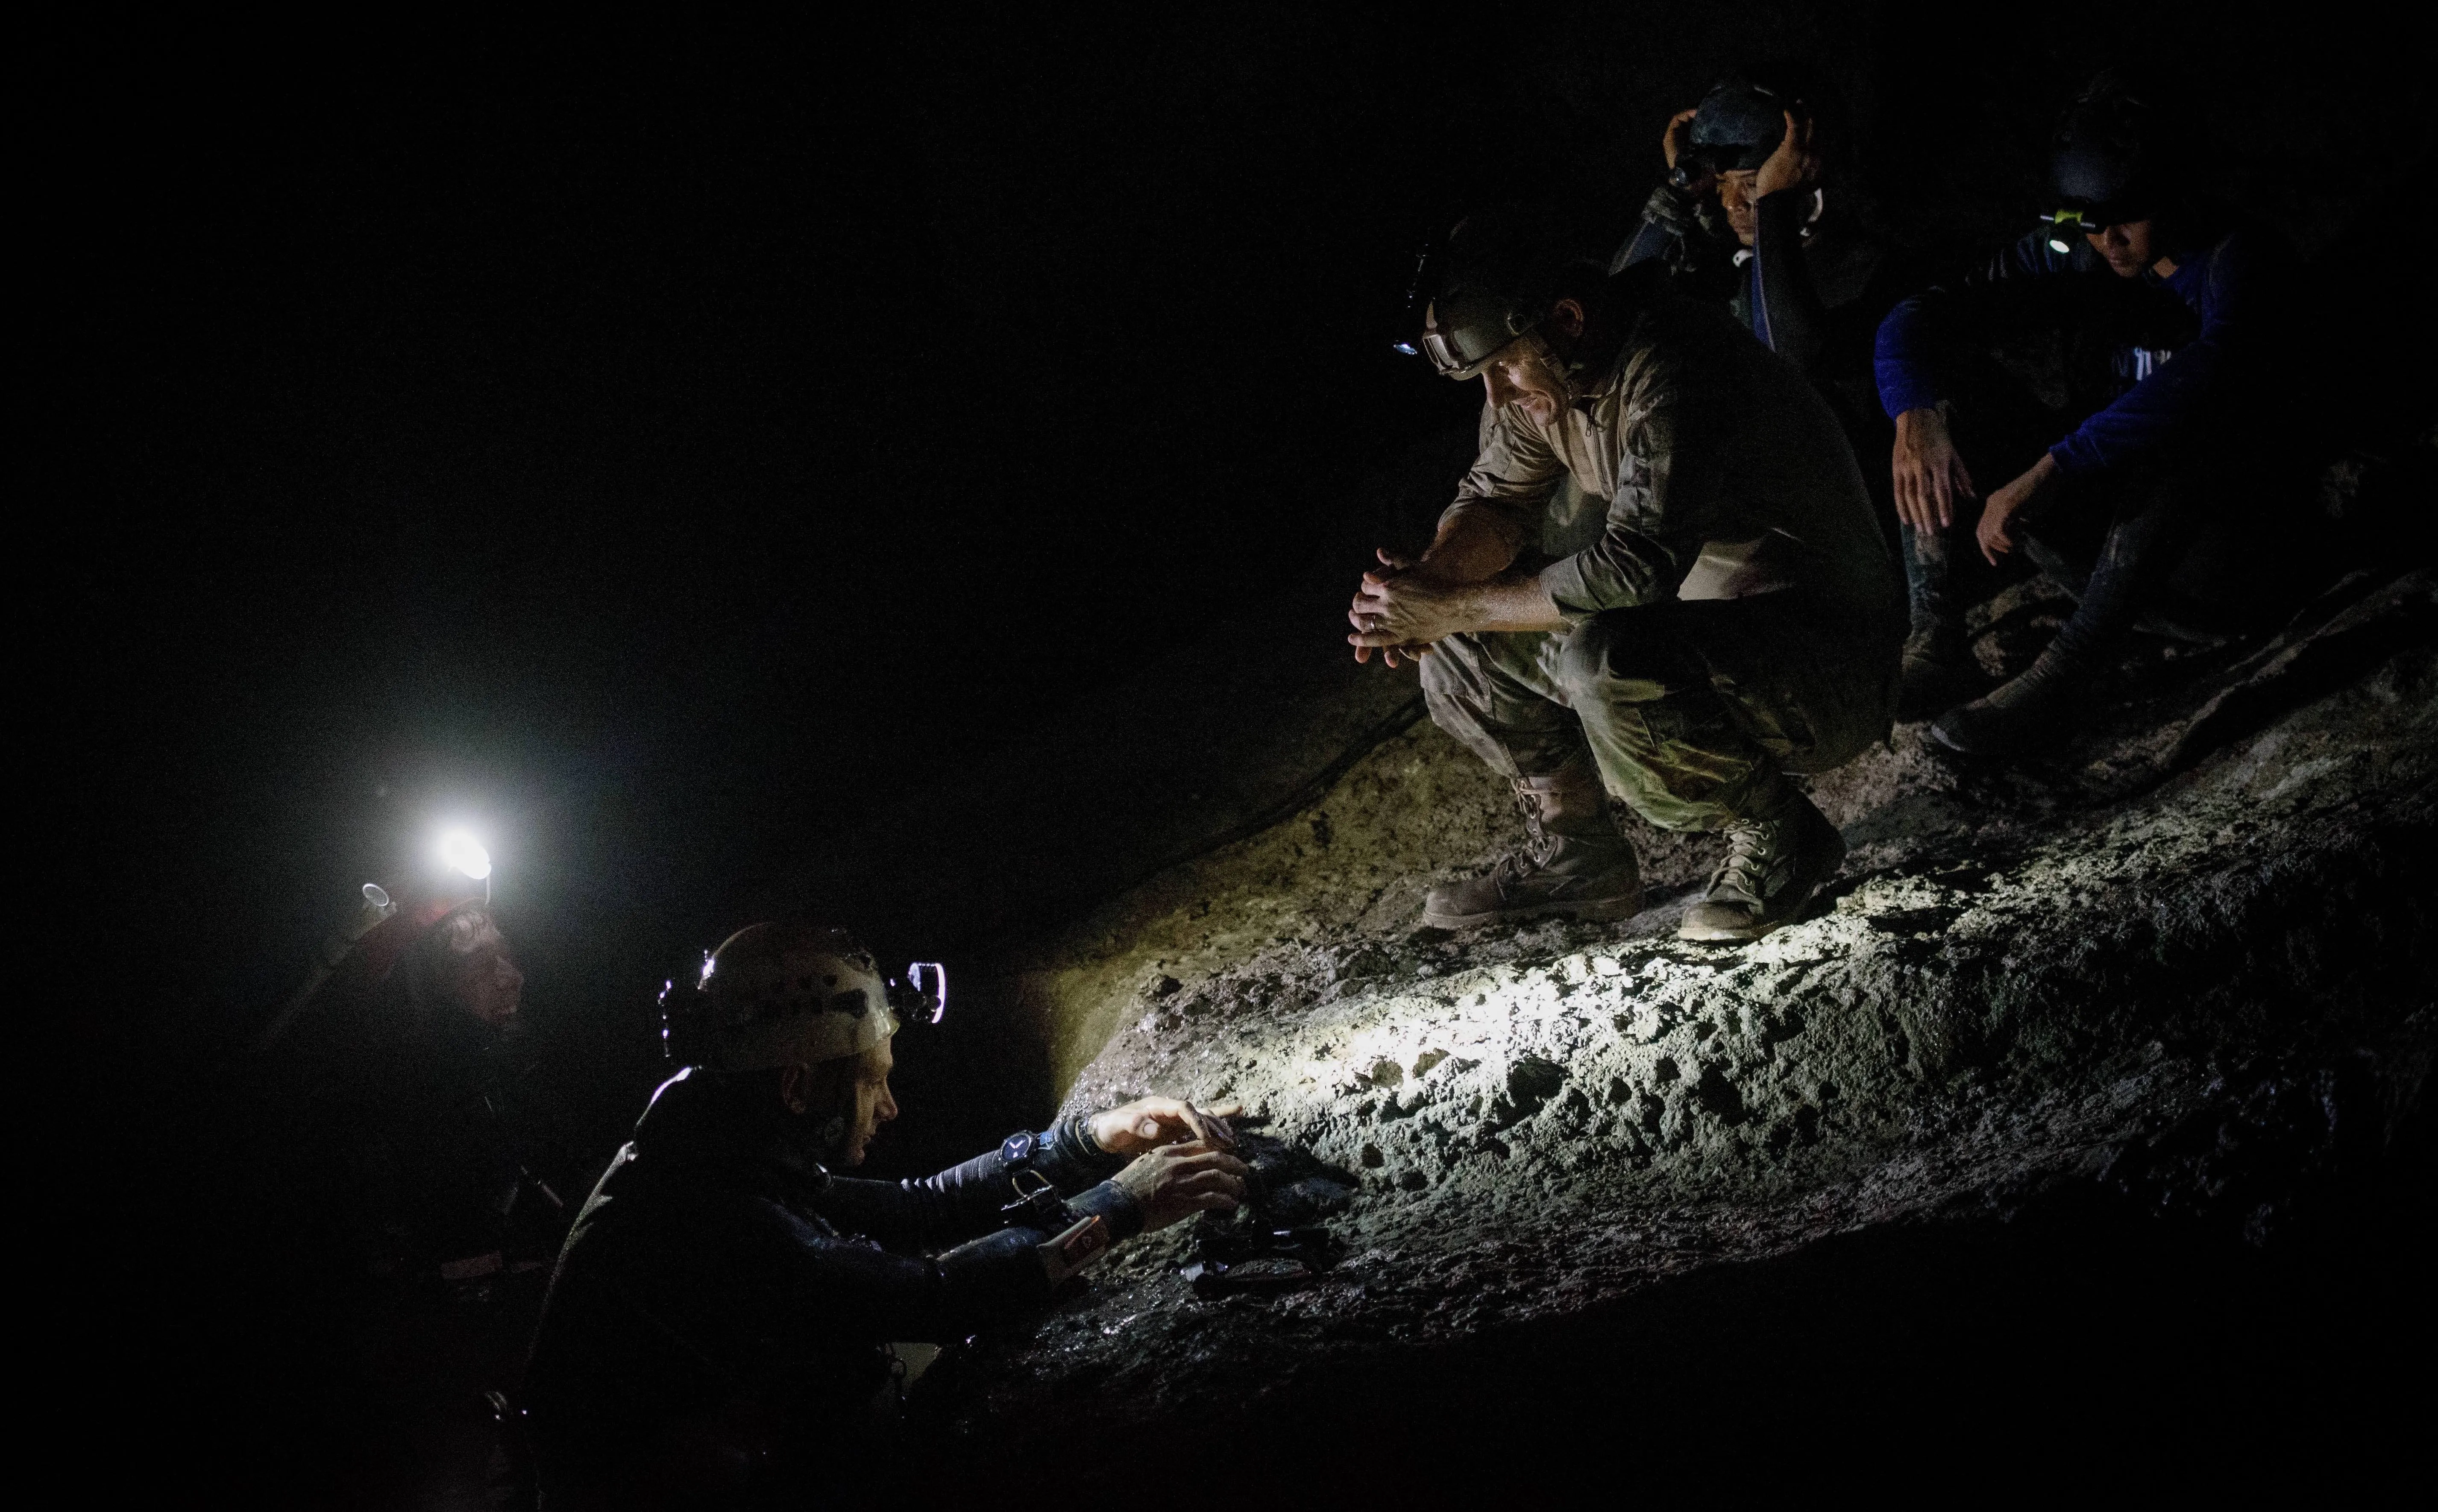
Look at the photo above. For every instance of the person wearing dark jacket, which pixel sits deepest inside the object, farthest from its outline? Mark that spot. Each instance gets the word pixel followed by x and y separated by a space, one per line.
pixel 719 1327
pixel 1748 218
pixel 2197 309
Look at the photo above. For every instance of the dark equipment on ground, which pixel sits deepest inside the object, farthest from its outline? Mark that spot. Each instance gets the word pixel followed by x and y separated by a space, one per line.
pixel 1226 1262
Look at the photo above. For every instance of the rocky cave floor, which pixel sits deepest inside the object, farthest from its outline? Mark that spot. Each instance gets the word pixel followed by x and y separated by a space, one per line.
pixel 2176 975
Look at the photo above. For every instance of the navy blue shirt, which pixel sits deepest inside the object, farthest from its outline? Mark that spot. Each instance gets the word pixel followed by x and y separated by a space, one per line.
pixel 2236 284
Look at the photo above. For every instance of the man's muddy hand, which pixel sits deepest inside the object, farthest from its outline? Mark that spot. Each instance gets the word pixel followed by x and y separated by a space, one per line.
pixel 1392 564
pixel 1148 1124
pixel 1929 474
pixel 1398 609
pixel 2003 505
pixel 1178 1180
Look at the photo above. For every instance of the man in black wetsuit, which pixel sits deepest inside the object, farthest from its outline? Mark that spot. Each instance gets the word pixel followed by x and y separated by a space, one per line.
pixel 1748 215
pixel 396 1198
pixel 719 1330
pixel 2170 483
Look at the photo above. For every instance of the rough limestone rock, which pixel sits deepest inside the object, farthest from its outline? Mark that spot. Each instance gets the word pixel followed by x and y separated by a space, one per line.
pixel 2186 964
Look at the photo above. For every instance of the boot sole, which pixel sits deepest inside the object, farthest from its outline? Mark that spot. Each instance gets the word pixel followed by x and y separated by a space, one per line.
pixel 1595 908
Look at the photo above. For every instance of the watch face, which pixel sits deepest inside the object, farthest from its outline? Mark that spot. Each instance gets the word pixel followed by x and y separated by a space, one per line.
pixel 1019 1147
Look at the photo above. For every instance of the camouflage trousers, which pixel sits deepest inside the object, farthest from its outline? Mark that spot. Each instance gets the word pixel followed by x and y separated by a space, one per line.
pixel 1693 710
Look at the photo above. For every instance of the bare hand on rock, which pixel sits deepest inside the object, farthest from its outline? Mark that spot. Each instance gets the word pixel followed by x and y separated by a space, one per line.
pixel 1147 1123
pixel 1176 1182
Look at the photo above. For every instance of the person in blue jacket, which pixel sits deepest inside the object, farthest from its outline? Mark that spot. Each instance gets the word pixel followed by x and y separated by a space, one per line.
pixel 2194 307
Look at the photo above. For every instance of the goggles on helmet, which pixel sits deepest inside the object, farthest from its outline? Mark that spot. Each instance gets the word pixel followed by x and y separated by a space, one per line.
pixel 1462 339
pixel 1430 270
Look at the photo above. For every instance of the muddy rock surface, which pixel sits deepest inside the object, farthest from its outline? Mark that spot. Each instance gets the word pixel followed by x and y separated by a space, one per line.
pixel 2183 966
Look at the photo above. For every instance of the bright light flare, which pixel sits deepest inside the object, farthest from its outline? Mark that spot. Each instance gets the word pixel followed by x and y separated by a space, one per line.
pixel 464 854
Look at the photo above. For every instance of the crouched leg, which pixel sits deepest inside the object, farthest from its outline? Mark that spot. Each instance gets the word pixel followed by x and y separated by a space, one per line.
pixel 1698 710
pixel 1499 695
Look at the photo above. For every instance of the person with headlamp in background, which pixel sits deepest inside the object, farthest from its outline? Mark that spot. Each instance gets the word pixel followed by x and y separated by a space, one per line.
pixel 1735 615
pixel 2151 497
pixel 401 1176
pixel 719 1327
pixel 1752 213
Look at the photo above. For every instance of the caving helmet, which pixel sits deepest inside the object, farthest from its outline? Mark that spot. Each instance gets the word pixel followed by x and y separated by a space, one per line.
pixel 1737 126
pixel 776 995
pixel 2109 161
pixel 1498 275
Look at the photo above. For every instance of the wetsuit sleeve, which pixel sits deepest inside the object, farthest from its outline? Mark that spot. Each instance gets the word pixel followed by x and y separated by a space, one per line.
pixel 964 1200
pixel 1666 477
pixel 1787 311
pixel 2238 284
pixel 1906 359
pixel 1512 478
pixel 838 1286
pixel 837 1289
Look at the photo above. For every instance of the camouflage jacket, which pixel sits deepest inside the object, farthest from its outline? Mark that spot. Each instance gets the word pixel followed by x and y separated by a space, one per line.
pixel 1695 436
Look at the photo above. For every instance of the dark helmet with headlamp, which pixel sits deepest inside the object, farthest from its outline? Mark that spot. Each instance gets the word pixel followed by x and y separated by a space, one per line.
pixel 1737 126
pixel 1496 278
pixel 2109 163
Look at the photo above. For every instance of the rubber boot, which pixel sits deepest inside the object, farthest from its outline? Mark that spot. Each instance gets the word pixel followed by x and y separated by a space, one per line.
pixel 2020 716
pixel 1577 865
pixel 1773 868
pixel 1939 669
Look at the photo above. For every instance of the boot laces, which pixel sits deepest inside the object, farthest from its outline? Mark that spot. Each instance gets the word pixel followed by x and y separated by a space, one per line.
pixel 1753 853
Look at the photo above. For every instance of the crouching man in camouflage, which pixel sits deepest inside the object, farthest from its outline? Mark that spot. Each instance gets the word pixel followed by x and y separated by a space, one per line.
pixel 1736 614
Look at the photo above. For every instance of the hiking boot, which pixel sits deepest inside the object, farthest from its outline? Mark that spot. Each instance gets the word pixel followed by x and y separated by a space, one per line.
pixel 1577 865
pixel 2018 717
pixel 1939 673
pixel 1771 869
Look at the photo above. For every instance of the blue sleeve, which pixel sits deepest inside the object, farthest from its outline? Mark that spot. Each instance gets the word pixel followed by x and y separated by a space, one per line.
pixel 1907 358
pixel 2234 292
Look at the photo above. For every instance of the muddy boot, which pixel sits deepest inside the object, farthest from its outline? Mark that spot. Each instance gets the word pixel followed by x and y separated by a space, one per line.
pixel 1773 868
pixel 1938 672
pixel 2018 717
pixel 1576 867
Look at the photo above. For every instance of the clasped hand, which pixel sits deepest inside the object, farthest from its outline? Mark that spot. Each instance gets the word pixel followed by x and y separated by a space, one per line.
pixel 1399 610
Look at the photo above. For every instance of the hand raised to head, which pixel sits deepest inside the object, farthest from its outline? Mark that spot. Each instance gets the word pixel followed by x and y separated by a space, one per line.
pixel 1795 165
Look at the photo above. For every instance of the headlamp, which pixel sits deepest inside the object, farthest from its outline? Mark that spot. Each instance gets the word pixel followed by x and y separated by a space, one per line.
pixel 922 996
pixel 2064 224
pixel 1428 268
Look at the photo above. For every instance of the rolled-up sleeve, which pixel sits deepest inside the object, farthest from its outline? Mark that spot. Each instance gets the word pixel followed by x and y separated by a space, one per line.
pixel 1652 535
pixel 1512 478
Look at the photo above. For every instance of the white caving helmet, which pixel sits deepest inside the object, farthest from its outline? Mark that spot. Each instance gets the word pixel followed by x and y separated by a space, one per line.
pixel 776 995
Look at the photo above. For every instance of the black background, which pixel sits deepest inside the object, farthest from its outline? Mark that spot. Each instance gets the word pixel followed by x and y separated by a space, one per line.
pixel 652 444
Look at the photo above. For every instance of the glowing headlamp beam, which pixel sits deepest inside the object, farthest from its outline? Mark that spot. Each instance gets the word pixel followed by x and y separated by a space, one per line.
pixel 465 855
